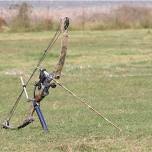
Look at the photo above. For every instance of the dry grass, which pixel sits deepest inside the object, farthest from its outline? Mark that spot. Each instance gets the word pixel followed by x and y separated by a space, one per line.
pixel 120 17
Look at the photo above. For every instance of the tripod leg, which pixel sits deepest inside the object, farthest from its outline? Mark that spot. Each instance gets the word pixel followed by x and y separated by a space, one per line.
pixel 40 115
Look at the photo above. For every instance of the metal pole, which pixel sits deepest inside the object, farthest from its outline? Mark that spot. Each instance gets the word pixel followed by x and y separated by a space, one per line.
pixel 40 116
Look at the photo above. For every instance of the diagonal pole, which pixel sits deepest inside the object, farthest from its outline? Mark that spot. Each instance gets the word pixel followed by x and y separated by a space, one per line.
pixel 85 103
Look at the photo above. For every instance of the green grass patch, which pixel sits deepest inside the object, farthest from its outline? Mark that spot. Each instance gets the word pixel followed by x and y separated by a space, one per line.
pixel 111 69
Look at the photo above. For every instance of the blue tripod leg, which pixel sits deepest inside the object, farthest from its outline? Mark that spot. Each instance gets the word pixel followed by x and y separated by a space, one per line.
pixel 40 116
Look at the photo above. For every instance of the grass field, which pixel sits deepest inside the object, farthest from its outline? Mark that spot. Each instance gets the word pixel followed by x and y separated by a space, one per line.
pixel 111 69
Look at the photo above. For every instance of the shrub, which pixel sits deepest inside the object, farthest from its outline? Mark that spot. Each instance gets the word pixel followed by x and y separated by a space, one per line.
pixel 2 23
pixel 132 17
pixel 22 21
